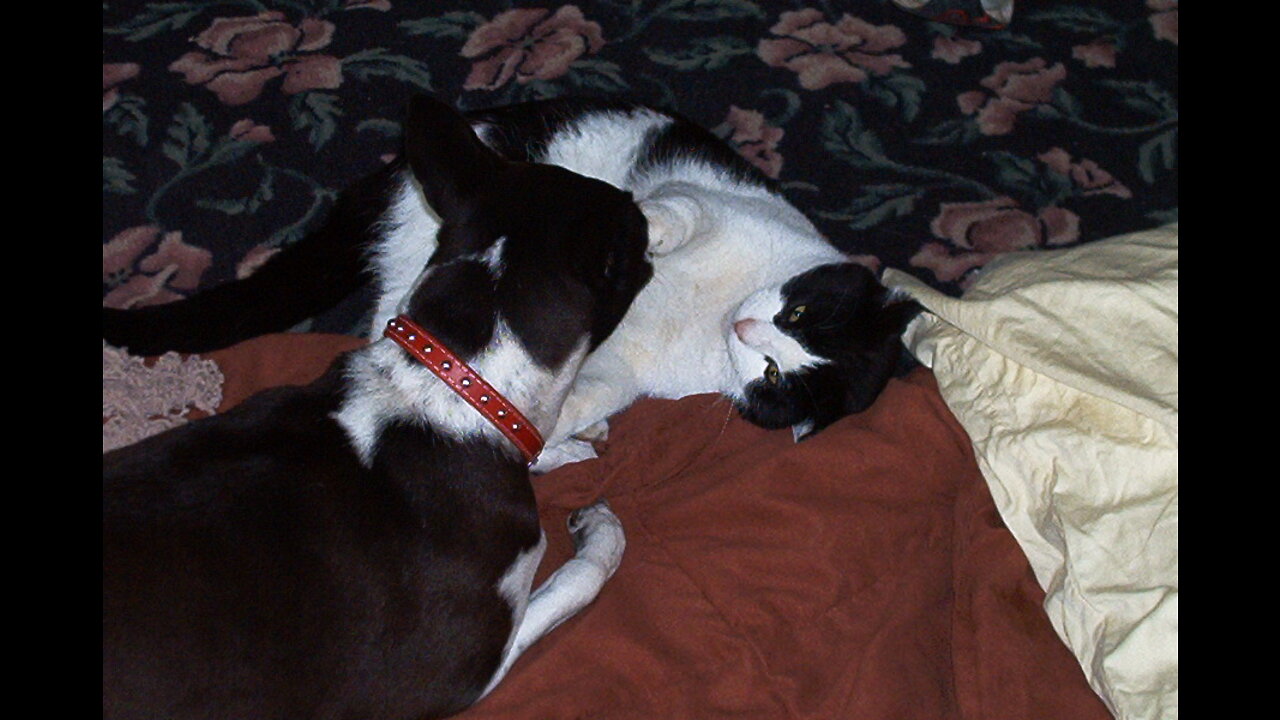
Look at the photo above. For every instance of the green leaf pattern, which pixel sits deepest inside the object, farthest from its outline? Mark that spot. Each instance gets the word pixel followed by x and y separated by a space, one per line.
pixel 880 125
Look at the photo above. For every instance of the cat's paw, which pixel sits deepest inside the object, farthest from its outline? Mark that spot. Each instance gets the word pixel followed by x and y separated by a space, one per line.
pixel 563 453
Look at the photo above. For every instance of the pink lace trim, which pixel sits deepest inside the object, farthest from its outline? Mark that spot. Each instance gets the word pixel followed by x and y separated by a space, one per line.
pixel 141 398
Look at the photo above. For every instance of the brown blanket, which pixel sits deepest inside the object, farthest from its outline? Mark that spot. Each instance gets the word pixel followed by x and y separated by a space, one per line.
pixel 863 573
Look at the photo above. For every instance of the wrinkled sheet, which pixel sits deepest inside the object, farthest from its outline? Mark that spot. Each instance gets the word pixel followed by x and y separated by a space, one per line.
pixel 1062 367
pixel 863 573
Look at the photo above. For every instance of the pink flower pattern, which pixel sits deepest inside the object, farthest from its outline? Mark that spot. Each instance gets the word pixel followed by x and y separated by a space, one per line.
pixel 1098 53
pixel 1085 174
pixel 949 267
pixel 249 131
pixel 976 232
pixel 240 55
pixel 952 49
pixel 755 139
pixel 938 114
pixel 823 53
pixel 527 45
pixel 254 259
pixel 1164 21
pixel 1000 225
pixel 112 75
pixel 173 264
pixel 1014 88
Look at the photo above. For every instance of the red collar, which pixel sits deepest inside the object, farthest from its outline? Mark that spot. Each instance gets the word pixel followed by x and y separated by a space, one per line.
pixel 467 383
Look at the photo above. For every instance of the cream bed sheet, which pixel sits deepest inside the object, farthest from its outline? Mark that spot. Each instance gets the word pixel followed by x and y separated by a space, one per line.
pixel 1063 368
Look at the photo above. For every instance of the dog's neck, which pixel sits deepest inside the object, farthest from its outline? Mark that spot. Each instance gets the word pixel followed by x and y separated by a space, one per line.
pixel 386 384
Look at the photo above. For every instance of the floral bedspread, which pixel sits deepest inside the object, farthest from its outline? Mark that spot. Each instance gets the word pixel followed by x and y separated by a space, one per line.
pixel 926 142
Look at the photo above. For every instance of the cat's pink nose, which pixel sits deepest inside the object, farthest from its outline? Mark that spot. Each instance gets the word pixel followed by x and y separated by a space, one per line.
pixel 744 329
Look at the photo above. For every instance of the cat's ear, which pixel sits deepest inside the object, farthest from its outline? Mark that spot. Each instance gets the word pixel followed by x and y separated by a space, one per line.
pixel 675 217
pixel 883 356
pixel 452 165
pixel 896 313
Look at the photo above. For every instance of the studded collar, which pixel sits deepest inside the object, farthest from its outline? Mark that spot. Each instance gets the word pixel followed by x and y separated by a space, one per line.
pixel 459 376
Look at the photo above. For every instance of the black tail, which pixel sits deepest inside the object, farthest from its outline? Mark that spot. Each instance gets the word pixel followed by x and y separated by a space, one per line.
pixel 303 280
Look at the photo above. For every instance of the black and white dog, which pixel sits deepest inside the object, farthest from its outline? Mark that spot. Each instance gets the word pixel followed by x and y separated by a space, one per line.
pixel 365 546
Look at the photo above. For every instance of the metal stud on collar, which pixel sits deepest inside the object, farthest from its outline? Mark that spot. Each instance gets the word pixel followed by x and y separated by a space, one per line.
pixel 428 350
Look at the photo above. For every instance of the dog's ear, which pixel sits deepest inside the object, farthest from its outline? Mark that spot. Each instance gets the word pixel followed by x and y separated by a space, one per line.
pixel 453 166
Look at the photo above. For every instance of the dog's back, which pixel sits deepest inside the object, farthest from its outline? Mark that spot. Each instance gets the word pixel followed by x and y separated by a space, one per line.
pixel 279 576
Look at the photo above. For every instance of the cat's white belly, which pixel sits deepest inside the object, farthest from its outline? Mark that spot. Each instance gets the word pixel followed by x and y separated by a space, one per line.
pixel 675 339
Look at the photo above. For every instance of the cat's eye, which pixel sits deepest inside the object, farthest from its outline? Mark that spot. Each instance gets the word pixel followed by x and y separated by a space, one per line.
pixel 771 372
pixel 796 313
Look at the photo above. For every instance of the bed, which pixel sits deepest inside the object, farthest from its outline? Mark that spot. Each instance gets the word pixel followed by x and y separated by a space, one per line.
pixel 995 538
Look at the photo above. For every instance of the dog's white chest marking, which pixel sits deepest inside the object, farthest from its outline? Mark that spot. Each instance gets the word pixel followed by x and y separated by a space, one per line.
pixel 386 384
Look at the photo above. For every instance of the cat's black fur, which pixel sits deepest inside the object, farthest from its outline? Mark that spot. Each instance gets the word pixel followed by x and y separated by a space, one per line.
pixel 306 278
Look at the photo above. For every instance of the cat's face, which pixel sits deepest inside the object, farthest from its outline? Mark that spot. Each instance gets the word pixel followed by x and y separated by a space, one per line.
pixel 816 348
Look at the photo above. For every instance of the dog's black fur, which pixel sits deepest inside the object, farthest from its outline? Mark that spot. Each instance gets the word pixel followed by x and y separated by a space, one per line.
pixel 256 564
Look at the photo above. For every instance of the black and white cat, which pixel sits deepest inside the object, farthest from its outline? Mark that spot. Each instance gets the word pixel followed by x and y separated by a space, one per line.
pixel 365 546
pixel 748 299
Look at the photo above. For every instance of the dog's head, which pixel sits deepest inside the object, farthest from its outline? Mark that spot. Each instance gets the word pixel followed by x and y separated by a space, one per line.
pixel 555 256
